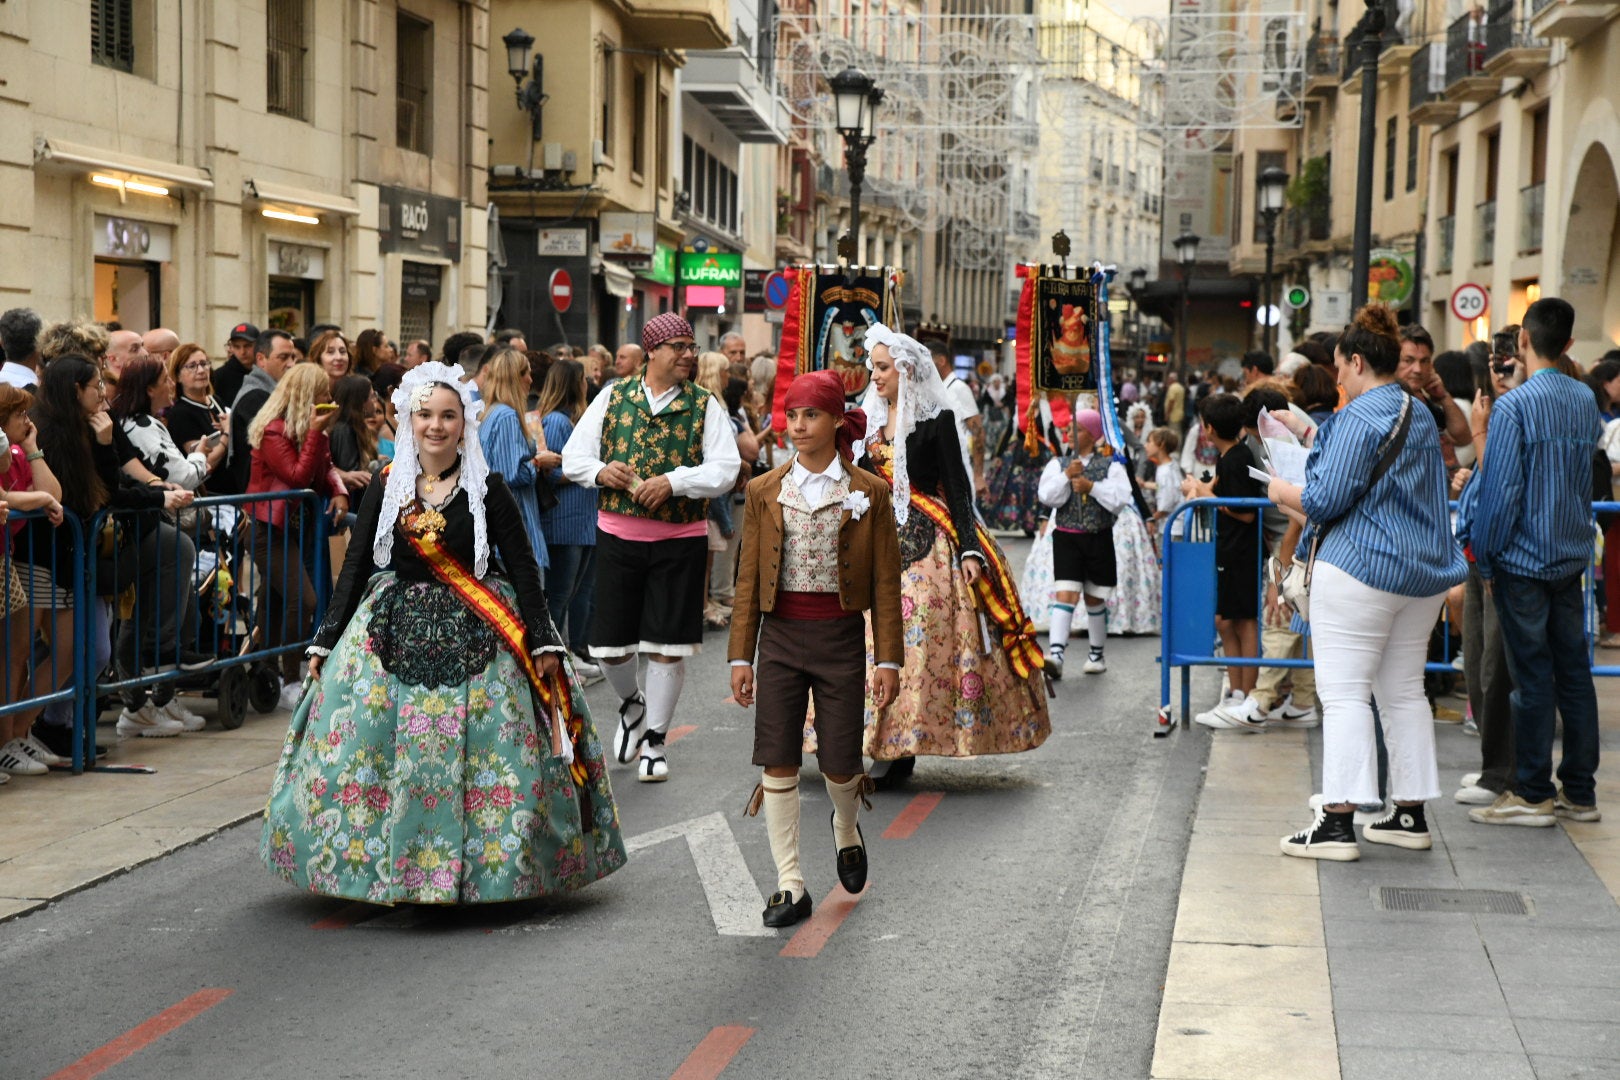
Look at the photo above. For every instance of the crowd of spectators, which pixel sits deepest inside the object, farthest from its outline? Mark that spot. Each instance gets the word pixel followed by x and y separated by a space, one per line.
pixel 95 418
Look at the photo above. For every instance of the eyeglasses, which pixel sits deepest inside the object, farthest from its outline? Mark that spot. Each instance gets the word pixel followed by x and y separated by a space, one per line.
pixel 683 346
pixel 196 365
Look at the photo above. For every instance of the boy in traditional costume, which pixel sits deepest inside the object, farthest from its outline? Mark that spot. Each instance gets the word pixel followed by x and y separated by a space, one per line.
pixel 819 549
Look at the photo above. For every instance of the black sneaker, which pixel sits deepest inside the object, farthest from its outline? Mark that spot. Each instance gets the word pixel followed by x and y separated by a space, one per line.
pixel 1403 826
pixel 1054 665
pixel 1331 836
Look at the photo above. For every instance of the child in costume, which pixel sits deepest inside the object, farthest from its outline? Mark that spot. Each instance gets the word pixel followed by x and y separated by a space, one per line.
pixel 1088 489
pixel 819 548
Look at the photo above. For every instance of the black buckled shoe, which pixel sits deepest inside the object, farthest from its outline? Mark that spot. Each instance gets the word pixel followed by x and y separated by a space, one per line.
pixel 852 864
pixel 783 910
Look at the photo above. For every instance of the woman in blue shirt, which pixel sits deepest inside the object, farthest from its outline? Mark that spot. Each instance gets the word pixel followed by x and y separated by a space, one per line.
pixel 570 526
pixel 505 390
pixel 1385 561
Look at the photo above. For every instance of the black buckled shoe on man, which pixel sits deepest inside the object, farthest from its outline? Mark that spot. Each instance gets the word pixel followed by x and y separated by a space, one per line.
pixel 852 864
pixel 784 910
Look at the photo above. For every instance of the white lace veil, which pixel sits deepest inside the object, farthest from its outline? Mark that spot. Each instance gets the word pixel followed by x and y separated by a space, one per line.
pixel 921 397
pixel 418 383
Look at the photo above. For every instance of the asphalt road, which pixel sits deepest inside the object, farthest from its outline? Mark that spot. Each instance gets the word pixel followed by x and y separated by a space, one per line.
pixel 1021 929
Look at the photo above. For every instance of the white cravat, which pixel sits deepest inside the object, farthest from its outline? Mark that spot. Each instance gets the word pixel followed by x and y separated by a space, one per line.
pixel 815 485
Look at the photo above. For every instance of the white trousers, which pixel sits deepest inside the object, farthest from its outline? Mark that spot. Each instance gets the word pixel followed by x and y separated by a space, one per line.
pixel 1372 644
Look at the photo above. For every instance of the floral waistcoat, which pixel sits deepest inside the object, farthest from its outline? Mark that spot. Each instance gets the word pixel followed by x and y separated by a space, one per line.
pixel 653 445
pixel 810 538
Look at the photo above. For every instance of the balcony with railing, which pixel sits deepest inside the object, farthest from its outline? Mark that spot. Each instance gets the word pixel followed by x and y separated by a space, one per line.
pixel 1288 95
pixel 1485 233
pixel 1466 79
pixel 1570 19
pixel 1321 67
pixel 1448 242
pixel 1512 50
pixel 1428 102
pixel 1532 207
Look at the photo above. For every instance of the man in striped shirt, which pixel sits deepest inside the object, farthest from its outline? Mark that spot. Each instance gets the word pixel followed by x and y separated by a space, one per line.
pixel 1531 533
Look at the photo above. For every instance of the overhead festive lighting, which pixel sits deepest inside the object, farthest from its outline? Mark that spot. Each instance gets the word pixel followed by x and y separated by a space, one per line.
pixel 287 215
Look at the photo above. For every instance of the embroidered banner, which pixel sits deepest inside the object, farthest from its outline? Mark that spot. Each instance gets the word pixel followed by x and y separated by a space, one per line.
pixel 1061 335
pixel 824 325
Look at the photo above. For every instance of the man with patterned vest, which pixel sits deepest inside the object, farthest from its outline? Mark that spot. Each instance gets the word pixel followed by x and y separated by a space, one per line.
pixel 1087 488
pixel 659 447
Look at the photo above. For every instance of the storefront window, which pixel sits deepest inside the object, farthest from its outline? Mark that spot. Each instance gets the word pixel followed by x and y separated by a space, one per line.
pixel 419 294
pixel 128 293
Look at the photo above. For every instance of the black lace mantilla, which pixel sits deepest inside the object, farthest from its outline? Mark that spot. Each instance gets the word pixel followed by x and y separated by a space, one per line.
pixel 425 636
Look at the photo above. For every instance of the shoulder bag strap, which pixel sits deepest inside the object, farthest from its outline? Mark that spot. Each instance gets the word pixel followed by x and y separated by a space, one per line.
pixel 1386 458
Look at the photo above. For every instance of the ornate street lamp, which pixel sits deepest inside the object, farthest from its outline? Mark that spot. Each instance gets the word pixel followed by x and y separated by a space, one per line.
pixel 531 97
pixel 1270 188
pixel 1138 283
pixel 1186 255
pixel 855 102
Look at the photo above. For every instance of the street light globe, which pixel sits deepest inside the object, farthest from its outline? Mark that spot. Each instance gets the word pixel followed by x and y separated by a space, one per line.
pixel 869 122
pixel 518 43
pixel 851 88
pixel 1138 279
pixel 1187 248
pixel 1272 185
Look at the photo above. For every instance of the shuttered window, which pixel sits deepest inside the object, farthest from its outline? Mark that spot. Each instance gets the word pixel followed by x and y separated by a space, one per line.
pixel 284 58
pixel 112 33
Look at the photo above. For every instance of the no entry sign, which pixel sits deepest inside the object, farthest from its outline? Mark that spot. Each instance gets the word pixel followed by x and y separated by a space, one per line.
pixel 562 290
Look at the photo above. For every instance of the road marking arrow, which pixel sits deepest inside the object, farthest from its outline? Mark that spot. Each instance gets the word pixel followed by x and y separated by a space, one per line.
pixel 734 897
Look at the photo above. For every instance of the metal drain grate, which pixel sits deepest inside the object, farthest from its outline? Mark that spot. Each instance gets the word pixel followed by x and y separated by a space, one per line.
pixel 1457 901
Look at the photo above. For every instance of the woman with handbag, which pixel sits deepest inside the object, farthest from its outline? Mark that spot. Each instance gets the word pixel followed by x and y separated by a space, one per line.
pixel 1381 557
pixel 441 755
pixel 291 451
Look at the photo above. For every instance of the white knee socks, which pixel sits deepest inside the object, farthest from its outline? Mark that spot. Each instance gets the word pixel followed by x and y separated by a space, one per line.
pixel 782 823
pixel 1097 625
pixel 621 675
pixel 846 800
pixel 664 682
pixel 1062 620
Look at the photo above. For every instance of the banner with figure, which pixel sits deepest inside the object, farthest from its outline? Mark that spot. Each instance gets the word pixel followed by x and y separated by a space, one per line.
pixel 824 325
pixel 1062 337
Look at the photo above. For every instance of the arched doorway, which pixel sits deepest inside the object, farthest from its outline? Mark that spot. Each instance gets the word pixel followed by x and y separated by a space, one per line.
pixel 1591 268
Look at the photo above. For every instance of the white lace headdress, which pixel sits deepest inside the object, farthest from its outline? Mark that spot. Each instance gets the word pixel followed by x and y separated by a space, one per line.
pixel 418 383
pixel 921 396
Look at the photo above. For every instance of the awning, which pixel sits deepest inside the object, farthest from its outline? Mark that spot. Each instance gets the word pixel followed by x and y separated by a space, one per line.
pixel 56 153
pixel 617 280
pixel 269 191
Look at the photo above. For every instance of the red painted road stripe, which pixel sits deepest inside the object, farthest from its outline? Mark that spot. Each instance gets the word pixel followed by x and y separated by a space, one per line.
pixel 347 915
pixel 826 919
pixel 676 734
pixel 915 813
pixel 711 1056
pixel 141 1036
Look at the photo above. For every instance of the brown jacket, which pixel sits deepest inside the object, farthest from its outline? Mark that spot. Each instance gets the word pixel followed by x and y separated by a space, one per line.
pixel 869 563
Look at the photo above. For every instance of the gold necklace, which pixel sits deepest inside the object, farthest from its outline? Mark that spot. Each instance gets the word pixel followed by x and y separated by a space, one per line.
pixel 429 481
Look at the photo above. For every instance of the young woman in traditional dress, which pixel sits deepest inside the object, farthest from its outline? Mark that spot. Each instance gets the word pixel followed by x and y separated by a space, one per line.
pixel 441 755
pixel 972 680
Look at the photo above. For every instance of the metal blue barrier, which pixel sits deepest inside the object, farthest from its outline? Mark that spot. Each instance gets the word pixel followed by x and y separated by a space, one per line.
pixel 163 635
pixel 1188 605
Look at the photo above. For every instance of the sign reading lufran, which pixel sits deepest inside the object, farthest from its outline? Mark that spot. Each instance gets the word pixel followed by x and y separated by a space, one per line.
pixel 711 268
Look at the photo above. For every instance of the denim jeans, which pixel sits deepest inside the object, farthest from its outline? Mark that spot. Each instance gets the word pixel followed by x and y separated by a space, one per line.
pixel 1544 633
pixel 571 592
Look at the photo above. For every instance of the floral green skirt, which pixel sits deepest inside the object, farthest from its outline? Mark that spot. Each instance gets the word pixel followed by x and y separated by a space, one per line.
pixel 415 772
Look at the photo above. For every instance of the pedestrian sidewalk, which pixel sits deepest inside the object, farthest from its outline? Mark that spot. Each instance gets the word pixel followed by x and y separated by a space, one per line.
pixel 1306 970
pixel 61 833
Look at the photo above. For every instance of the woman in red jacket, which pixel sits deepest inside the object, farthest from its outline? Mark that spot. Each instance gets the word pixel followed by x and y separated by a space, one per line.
pixel 290 452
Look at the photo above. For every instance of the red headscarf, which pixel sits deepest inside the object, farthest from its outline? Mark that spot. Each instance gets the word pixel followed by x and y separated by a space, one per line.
pixel 824 390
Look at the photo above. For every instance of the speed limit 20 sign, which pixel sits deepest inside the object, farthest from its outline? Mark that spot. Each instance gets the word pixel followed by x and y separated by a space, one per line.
pixel 1469 302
